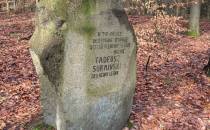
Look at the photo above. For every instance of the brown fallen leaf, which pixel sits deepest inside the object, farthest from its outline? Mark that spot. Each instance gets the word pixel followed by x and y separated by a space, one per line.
pixel 2 124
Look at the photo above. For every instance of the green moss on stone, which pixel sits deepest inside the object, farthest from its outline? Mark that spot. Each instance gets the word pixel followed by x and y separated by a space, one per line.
pixel 130 124
pixel 57 7
pixel 81 22
pixel 88 30
pixel 88 6
pixel 61 9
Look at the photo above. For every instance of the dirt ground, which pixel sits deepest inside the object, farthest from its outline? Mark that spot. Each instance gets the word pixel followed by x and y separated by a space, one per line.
pixel 172 92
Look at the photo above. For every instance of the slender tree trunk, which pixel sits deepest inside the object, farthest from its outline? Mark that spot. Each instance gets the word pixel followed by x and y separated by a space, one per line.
pixel 15 4
pixel 194 27
pixel 177 11
pixel 183 12
pixel 8 9
pixel 208 9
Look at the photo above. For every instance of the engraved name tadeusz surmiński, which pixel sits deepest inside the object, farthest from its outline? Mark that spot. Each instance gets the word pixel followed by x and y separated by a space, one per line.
pixel 108 65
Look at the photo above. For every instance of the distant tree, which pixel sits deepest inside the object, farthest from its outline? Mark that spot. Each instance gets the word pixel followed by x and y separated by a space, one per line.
pixel 20 5
pixel 194 22
pixel 208 9
pixel 7 6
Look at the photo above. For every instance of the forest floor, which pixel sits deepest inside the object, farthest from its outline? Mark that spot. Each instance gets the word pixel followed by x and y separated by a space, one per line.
pixel 172 91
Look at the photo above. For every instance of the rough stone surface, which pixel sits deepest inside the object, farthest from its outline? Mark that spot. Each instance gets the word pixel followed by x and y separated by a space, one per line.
pixel 84 52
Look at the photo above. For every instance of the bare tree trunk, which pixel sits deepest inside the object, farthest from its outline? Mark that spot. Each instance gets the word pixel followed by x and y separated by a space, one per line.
pixel 8 9
pixel 208 9
pixel 194 27
pixel 183 12
pixel 177 11
pixel 15 4
pixel 20 6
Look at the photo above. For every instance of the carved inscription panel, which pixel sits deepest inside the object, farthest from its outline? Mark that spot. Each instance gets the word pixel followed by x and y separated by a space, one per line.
pixel 110 63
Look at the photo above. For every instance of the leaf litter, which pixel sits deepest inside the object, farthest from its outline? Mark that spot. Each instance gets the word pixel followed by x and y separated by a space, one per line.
pixel 172 94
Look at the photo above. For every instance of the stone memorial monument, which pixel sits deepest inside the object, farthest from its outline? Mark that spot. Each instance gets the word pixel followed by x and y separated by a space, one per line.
pixel 84 52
